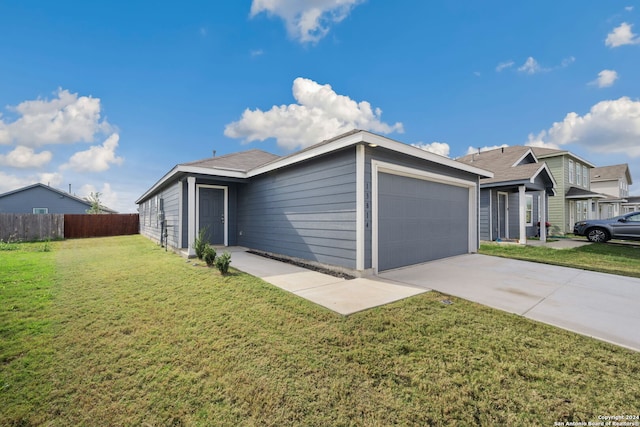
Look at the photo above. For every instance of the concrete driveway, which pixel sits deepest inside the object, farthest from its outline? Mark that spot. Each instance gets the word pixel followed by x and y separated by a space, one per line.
pixel 603 306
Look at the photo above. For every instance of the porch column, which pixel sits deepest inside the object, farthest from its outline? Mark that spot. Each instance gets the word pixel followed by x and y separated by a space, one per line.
pixel 191 214
pixel 522 203
pixel 543 216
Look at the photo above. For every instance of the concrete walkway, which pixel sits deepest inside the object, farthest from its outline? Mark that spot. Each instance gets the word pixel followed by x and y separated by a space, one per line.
pixel 603 306
pixel 340 295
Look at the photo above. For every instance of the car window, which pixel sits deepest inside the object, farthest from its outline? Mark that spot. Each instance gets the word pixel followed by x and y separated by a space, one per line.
pixel 634 218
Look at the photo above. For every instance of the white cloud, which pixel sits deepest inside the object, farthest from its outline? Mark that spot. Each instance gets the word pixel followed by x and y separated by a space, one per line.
pixel 628 8
pixel 319 114
pixel 621 35
pixel 97 158
pixel 256 52
pixel 440 148
pixel 25 157
pixel 13 182
pixel 605 78
pixel 67 118
pixel 503 65
pixel 309 20
pixel 611 127
pixel 108 197
pixel 567 61
pixel 531 66
pixel 472 150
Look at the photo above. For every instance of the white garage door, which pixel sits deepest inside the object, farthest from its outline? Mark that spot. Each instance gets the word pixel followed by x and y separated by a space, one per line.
pixel 420 220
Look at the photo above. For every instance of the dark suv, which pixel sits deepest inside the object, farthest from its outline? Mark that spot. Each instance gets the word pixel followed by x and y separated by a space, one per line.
pixel 626 227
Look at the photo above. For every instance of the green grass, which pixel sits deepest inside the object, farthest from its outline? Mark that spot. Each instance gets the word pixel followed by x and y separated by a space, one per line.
pixel 127 334
pixel 622 259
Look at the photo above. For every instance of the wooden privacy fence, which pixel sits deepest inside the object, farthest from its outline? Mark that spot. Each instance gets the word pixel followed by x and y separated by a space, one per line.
pixel 79 226
pixel 28 227
pixel 31 227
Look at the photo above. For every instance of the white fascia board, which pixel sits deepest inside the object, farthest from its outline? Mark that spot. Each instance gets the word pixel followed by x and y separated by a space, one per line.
pixel 570 154
pixel 422 154
pixel 544 168
pixel 308 154
pixel 368 138
pixel 225 173
pixel 529 151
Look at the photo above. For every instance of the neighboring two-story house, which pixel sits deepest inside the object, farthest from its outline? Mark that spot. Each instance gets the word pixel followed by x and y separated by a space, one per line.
pixel 576 201
pixel 613 182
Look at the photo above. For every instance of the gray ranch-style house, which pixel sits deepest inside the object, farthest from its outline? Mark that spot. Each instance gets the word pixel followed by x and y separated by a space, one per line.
pixel 359 202
pixel 514 202
pixel 42 199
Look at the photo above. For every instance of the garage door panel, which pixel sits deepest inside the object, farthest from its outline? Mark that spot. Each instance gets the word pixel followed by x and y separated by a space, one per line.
pixel 420 220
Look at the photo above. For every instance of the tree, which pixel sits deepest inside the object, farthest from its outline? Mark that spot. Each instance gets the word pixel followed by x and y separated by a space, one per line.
pixel 96 204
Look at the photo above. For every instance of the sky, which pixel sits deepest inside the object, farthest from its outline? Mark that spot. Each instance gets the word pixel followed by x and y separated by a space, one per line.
pixel 109 96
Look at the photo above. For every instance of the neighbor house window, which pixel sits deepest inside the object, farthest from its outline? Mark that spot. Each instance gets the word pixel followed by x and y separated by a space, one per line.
pixel 578 174
pixel 585 176
pixel 529 211
pixel 571 172
pixel 40 210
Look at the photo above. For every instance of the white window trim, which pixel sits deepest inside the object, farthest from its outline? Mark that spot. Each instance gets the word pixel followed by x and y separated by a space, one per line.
pixel 578 174
pixel 528 198
pixel 585 177
pixel 506 213
pixel 40 211
pixel 571 172
pixel 378 167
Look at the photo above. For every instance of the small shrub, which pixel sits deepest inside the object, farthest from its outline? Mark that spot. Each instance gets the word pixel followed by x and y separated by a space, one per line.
pixel 209 255
pixel 222 262
pixel 10 245
pixel 200 244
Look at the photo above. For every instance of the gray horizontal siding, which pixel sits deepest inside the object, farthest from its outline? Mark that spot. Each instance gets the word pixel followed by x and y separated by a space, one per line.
pixel 485 214
pixel 305 211
pixel 150 226
pixel 41 197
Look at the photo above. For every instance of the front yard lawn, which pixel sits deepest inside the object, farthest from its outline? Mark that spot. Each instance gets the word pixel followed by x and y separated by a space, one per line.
pixel 116 331
pixel 614 258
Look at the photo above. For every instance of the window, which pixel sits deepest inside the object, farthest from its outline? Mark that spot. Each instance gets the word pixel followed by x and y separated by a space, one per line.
pixel 529 210
pixel 634 218
pixel 40 210
pixel 571 172
pixel 578 174
pixel 585 176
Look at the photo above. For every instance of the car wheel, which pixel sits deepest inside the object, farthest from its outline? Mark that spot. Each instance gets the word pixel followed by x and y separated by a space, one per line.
pixel 597 235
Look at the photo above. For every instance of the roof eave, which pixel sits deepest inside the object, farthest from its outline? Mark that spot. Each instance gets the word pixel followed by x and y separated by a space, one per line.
pixel 374 141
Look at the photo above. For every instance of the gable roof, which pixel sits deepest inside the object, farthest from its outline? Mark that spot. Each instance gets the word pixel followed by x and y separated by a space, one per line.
pixel 543 153
pixel 244 169
pixel 54 190
pixel 613 172
pixel 509 165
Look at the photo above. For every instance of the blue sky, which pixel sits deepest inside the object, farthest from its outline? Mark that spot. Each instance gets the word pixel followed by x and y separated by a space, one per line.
pixel 109 96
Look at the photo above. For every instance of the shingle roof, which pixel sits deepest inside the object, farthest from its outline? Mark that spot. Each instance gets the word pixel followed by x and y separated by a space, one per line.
pixel 542 152
pixel 580 193
pixel 606 173
pixel 505 163
pixel 242 161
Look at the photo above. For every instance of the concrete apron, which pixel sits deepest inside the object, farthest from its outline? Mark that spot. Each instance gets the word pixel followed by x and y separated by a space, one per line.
pixel 340 295
pixel 603 306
